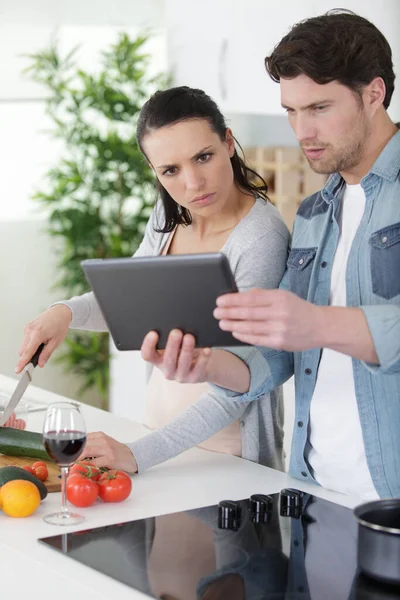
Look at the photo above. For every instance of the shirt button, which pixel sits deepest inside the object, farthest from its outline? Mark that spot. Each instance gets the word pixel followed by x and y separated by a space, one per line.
pixel 301 261
pixel 304 474
pixel 384 239
pixel 307 371
pixel 300 423
pixel 323 264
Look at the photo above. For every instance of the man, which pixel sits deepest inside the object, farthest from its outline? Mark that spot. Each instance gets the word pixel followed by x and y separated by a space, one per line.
pixel 335 321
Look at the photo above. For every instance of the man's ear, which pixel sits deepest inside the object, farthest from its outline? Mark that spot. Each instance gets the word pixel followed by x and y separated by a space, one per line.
pixel 374 94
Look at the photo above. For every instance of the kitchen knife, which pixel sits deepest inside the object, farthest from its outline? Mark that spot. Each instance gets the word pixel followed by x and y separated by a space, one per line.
pixel 23 383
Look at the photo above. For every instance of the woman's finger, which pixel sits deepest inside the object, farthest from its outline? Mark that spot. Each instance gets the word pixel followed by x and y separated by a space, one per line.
pixel 171 354
pixel 149 349
pixel 186 358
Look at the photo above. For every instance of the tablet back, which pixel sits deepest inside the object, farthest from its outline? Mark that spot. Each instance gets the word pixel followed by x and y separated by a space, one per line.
pixel 137 295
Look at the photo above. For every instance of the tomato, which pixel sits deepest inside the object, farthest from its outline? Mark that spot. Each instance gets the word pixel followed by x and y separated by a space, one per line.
pixel 29 469
pixel 85 468
pixel 39 463
pixel 81 491
pixel 41 472
pixel 114 486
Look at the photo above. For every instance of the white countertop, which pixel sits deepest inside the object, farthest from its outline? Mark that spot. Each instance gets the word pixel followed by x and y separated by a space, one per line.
pixel 195 478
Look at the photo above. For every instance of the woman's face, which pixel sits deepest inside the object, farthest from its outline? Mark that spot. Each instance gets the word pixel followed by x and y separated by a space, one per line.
pixel 193 164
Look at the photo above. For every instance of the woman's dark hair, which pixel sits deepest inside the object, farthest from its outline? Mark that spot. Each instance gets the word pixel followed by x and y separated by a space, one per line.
pixel 337 46
pixel 181 104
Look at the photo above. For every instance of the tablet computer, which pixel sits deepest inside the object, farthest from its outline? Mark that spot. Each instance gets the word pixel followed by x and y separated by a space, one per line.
pixel 160 293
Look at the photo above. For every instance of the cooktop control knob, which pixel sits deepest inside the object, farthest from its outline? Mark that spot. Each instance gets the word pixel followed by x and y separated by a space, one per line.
pixel 260 507
pixel 229 515
pixel 291 503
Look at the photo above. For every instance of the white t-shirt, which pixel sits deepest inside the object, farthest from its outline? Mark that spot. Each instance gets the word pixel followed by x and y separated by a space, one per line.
pixel 335 449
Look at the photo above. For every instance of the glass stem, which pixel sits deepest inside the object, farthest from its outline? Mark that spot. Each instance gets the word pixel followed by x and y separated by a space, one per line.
pixel 64 474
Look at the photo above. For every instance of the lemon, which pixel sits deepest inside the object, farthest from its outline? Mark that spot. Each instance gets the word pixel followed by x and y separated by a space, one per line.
pixel 19 498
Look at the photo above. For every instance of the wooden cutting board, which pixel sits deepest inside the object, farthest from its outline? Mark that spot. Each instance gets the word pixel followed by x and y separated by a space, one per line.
pixel 53 482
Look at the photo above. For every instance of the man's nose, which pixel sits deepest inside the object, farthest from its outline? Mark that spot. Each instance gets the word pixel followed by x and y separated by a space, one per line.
pixel 303 129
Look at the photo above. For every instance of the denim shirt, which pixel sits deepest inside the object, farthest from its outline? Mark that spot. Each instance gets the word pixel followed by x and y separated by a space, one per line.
pixel 373 284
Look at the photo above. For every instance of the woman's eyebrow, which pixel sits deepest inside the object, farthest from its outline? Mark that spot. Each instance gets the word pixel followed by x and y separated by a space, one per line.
pixel 199 153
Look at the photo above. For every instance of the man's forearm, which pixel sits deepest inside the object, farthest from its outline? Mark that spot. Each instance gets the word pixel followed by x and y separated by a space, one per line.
pixel 228 371
pixel 346 330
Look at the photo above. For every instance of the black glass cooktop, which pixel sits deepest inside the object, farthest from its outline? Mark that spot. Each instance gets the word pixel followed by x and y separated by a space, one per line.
pixel 285 546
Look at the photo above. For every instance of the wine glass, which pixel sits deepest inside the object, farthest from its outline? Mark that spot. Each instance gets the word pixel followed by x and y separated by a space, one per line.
pixel 64 437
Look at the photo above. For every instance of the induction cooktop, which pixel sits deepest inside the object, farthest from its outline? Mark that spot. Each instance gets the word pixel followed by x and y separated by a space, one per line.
pixel 285 546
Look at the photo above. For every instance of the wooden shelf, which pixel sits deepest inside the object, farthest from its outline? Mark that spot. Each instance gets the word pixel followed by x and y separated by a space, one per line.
pixel 288 175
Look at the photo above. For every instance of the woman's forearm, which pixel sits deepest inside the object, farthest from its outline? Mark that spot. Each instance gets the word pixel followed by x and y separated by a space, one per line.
pixel 228 371
pixel 197 423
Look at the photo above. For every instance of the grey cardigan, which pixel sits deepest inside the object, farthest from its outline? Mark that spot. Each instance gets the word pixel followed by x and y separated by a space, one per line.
pixel 257 253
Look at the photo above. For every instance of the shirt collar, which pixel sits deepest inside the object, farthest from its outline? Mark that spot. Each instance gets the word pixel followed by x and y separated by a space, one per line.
pixel 387 166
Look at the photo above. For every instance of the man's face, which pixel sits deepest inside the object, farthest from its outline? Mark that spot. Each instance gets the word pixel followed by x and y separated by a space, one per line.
pixel 329 121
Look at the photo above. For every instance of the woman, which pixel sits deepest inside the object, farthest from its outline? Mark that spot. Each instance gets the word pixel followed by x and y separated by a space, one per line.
pixel 207 203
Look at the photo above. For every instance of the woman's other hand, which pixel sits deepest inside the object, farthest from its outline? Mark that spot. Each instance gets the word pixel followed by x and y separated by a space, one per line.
pixel 105 451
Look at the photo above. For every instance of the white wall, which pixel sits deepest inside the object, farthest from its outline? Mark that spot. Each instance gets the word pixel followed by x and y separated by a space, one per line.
pixel 27 269
pixel 27 265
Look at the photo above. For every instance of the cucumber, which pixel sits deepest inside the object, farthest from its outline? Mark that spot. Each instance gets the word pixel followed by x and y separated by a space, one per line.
pixel 17 442
pixel 11 473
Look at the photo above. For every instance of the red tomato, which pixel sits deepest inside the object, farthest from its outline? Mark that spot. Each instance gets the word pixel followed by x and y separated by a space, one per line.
pixel 85 468
pixel 114 486
pixel 81 491
pixel 41 472
pixel 39 463
pixel 29 469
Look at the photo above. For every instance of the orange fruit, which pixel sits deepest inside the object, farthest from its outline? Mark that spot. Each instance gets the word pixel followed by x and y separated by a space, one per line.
pixel 19 498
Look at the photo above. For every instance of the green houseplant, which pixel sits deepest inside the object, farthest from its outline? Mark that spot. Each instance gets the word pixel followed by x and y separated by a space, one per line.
pixel 99 195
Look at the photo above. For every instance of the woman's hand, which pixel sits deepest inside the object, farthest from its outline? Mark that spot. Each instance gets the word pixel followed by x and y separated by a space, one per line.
pixel 180 360
pixel 105 451
pixel 49 328
pixel 15 423
pixel 184 363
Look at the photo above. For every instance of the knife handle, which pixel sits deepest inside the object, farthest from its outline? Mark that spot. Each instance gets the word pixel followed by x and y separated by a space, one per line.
pixel 35 357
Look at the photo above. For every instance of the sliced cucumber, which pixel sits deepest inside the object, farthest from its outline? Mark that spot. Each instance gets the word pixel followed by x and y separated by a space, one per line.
pixel 16 442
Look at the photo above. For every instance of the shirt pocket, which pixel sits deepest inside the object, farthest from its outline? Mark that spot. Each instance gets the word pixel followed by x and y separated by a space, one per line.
pixel 385 261
pixel 300 265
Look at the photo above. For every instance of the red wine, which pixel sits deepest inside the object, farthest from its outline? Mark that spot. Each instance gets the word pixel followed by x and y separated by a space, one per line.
pixel 64 446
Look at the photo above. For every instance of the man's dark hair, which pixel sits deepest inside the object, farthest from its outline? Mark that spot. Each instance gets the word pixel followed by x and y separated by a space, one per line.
pixel 337 46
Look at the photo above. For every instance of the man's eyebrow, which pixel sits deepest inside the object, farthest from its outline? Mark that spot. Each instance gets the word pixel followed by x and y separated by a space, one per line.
pixel 308 106
pixel 199 153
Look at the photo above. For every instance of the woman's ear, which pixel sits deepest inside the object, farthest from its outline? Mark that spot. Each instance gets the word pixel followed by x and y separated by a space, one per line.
pixel 230 141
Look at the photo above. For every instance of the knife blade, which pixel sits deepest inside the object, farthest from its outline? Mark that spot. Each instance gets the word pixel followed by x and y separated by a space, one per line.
pixel 23 383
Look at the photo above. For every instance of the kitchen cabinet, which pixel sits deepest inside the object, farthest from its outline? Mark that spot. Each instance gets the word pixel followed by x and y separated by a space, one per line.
pixel 199 36
pixel 220 46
